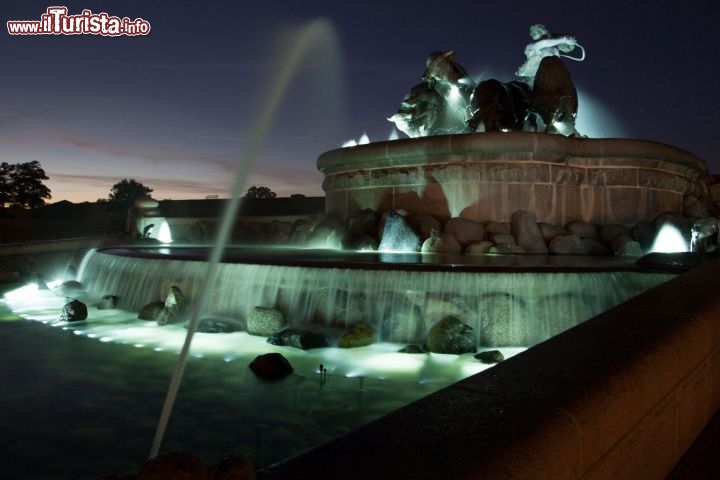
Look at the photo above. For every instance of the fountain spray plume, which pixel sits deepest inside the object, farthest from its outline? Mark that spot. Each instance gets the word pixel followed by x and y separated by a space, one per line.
pixel 308 36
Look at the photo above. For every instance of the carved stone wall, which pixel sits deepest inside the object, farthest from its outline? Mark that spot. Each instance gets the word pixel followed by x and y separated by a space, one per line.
pixel 488 176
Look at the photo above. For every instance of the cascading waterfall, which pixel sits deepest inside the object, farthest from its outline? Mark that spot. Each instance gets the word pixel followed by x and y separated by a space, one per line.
pixel 504 309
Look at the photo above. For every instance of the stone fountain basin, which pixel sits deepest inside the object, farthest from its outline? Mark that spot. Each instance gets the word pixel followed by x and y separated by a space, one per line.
pixel 488 176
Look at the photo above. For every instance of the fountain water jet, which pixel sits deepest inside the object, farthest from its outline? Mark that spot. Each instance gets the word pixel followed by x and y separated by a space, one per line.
pixel 308 37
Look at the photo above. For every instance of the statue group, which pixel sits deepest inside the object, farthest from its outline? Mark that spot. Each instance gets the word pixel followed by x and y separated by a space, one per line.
pixel 542 98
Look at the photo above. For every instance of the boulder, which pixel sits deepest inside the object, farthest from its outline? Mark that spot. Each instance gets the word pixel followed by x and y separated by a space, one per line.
pixel 625 246
pixel 151 311
pixel 265 321
pixel 298 338
pixel 582 229
pixel 507 248
pixel 502 239
pixel 550 231
pixel 609 232
pixel 465 231
pixel 360 335
pixel 73 311
pixel 423 224
pixel 175 309
pixel 567 245
pixel 271 366
pixel 441 243
pixel 490 356
pixel 479 247
pixel 107 302
pixel 527 233
pixel 497 227
pixel 413 349
pixel 644 233
pixel 450 335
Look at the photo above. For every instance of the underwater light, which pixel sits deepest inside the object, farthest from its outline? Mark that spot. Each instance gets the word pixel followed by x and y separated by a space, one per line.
pixel 669 240
pixel 164 234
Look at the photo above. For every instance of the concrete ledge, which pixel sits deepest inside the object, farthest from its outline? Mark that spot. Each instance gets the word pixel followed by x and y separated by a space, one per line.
pixel 622 395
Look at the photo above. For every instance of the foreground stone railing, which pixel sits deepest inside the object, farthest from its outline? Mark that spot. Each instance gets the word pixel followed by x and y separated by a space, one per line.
pixel 622 395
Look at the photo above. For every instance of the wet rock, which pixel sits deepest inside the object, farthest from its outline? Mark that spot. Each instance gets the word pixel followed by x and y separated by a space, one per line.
pixel 74 311
pixel 265 321
pixel 360 335
pixel 174 465
pixel 624 246
pixel 497 227
pixel 450 335
pixel 644 233
pixel 364 221
pixel 397 236
pixel 479 247
pixel 151 311
pixel 502 239
pixel 567 245
pixel 608 233
pixel 441 243
pixel 423 224
pixel 693 207
pixel 271 366
pixel 233 467
pixel 107 302
pixel 490 356
pixel 524 227
pixel 176 306
pixel 413 349
pixel 574 245
pixel 218 325
pixel 465 231
pixel 582 229
pixel 298 338
pixel 507 248
pixel 550 231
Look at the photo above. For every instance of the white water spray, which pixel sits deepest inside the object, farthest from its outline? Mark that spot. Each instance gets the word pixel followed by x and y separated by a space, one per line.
pixel 309 36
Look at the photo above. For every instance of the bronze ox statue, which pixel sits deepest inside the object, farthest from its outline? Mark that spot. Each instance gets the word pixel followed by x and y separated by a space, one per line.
pixel 544 99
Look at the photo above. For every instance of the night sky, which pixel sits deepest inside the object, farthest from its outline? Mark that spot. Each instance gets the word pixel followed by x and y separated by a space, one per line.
pixel 174 109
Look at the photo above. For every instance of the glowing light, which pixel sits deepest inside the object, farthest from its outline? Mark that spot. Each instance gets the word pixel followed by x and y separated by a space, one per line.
pixel 164 234
pixel 669 240
pixel 393 135
pixel 349 143
pixel 364 139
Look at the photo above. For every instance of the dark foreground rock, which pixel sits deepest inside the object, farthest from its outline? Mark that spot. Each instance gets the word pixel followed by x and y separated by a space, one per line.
pixel 271 366
pixel 490 356
pixel 74 311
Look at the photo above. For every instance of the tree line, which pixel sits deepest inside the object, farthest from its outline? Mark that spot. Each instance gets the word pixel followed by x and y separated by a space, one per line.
pixel 22 187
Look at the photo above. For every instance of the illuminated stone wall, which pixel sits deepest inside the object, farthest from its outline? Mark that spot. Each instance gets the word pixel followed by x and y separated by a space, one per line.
pixel 488 176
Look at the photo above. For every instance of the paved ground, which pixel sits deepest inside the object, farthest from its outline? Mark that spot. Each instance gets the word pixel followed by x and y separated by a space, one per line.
pixel 702 460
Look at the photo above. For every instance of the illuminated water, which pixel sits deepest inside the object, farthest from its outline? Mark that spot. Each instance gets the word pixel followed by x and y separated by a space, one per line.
pixel 84 397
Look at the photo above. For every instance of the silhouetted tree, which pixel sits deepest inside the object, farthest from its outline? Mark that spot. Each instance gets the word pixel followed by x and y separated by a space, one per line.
pixel 124 193
pixel 260 192
pixel 21 185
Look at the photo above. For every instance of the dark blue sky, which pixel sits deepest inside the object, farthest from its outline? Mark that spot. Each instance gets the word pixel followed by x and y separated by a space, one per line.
pixel 173 109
